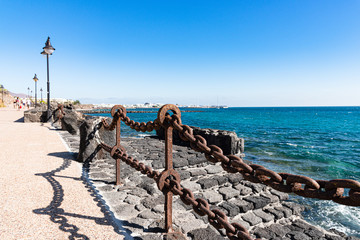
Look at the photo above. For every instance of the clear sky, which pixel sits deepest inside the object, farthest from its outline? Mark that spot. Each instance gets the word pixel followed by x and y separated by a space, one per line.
pixel 243 53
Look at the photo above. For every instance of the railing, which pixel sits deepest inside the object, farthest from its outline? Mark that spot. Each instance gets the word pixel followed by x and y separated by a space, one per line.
pixel 168 181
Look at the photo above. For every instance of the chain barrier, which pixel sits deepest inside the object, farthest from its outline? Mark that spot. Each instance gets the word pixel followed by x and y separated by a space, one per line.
pixel 216 217
pixel 169 180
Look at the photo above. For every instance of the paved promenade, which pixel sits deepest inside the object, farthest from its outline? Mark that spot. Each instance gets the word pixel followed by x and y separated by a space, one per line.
pixel 42 194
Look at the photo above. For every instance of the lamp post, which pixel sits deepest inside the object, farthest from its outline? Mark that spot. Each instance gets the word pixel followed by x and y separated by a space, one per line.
pixel 28 92
pixel 35 79
pixel 41 95
pixel 48 50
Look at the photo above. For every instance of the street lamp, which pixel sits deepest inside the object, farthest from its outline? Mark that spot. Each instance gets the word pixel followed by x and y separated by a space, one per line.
pixel 48 50
pixel 28 92
pixel 41 94
pixel 35 79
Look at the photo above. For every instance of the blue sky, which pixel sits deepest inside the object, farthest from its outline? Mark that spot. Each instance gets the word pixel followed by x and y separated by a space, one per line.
pixel 243 53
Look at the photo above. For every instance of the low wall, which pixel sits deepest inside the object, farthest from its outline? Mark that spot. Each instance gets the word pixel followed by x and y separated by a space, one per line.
pixel 228 141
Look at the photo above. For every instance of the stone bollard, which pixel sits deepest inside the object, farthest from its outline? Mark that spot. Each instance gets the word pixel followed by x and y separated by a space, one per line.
pixel 91 135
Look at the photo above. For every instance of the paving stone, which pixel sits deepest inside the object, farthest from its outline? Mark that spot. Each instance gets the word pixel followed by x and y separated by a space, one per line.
pixel 180 162
pixel 131 199
pixel 159 209
pixel 99 176
pixel 314 233
pixel 184 174
pixel 194 160
pixel 258 201
pixel 257 187
pixel 266 217
pixel 263 233
pixel 106 188
pixel 296 208
pixel 278 214
pixel 231 209
pixel 243 205
pixel 152 201
pixel 125 211
pixel 242 222
pixel 148 214
pixel 139 192
pixel 204 234
pixel 272 198
pixel 148 187
pixel 192 225
pixel 140 207
pixel 211 169
pixel 228 192
pixel 197 172
pixel 286 211
pixel 243 190
pixel 295 235
pixel 301 224
pixel 333 237
pixel 280 230
pixel 207 183
pixel 251 218
pixel 174 236
pixel 193 186
pixel 220 179
pixel 281 195
pixel 113 198
pixel 212 197
pixel 234 177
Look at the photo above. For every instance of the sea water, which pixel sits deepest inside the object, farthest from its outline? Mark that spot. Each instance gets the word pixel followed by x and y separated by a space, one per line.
pixel 318 142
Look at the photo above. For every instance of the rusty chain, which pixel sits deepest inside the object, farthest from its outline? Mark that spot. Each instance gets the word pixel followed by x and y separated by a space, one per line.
pixel 284 182
pixel 216 217
pixel 61 113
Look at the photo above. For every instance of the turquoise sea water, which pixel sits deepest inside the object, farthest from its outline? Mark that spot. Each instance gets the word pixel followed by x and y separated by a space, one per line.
pixel 319 142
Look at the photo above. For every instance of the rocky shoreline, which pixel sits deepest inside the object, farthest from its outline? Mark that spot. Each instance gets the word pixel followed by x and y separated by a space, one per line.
pixel 138 204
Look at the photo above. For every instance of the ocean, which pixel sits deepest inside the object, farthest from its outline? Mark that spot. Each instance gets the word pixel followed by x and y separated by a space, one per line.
pixel 318 142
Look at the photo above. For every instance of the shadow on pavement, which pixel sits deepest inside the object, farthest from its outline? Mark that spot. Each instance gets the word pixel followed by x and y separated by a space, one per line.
pixel 58 215
pixel 20 120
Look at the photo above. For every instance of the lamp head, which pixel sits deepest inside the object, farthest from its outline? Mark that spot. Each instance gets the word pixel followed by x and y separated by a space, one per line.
pixel 48 49
pixel 35 78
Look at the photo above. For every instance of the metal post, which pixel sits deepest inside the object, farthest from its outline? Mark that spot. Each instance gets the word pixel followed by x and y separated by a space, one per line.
pixel 168 167
pixel 118 160
pixel 48 89
pixel 35 93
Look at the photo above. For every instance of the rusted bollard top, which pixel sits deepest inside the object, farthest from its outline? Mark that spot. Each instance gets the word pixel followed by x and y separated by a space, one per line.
pixel 164 109
pixel 118 107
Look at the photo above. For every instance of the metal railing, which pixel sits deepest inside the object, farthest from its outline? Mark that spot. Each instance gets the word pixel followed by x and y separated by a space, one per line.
pixel 168 181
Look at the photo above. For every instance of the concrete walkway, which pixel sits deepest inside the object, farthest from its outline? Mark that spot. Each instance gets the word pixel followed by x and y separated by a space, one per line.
pixel 42 194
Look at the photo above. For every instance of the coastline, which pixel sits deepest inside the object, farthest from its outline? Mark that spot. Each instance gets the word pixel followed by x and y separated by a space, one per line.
pixel 275 217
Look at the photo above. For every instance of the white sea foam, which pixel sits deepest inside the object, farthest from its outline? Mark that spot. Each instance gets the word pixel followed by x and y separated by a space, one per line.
pixel 269 153
pixel 332 215
pixel 144 135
